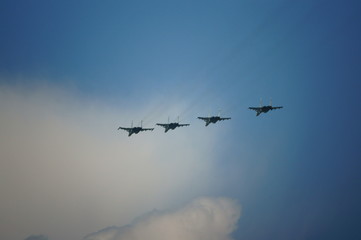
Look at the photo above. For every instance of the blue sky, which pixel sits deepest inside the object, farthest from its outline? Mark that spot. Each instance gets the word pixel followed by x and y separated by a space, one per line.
pixel 295 171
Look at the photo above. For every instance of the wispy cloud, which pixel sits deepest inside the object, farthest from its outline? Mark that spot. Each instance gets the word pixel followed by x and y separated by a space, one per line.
pixel 201 219
pixel 65 170
pixel 37 237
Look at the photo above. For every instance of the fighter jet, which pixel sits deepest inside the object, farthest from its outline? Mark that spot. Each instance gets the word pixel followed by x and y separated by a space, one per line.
pixel 213 119
pixel 264 109
pixel 135 130
pixel 171 126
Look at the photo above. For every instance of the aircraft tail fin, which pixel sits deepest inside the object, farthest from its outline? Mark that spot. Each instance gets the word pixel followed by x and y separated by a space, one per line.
pixel 207 122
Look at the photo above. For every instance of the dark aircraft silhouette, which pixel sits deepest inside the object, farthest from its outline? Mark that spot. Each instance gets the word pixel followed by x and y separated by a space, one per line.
pixel 135 130
pixel 171 126
pixel 264 109
pixel 212 119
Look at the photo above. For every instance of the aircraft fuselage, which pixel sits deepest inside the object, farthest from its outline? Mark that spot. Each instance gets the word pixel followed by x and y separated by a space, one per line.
pixel 265 109
pixel 135 130
pixel 213 119
pixel 171 126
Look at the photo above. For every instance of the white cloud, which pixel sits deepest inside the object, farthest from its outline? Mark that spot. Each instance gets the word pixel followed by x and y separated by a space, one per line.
pixel 202 219
pixel 65 170
pixel 37 237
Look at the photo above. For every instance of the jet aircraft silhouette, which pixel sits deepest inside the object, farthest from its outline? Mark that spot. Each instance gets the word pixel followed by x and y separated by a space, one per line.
pixel 264 109
pixel 135 130
pixel 213 119
pixel 171 126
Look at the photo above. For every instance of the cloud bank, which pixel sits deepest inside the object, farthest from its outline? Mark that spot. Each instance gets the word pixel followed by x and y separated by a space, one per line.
pixel 37 237
pixel 65 170
pixel 202 219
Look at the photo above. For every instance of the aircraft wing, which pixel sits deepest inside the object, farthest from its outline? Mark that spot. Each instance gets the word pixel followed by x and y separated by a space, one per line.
pixel 183 125
pixel 224 119
pixel 126 129
pixel 277 107
pixel 162 124
pixel 254 108
pixel 147 129
pixel 204 118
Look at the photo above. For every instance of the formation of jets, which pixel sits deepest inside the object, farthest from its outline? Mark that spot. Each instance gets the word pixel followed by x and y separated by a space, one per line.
pixel 211 119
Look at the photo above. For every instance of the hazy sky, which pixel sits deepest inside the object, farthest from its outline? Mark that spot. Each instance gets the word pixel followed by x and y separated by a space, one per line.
pixel 72 72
